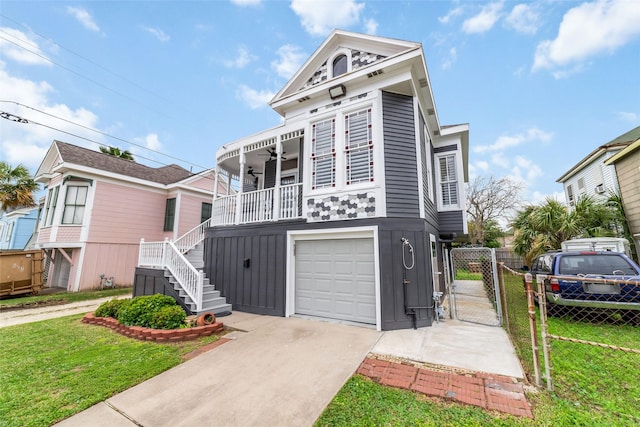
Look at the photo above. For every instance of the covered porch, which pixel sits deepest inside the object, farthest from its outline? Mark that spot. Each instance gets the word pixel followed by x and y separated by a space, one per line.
pixel 263 175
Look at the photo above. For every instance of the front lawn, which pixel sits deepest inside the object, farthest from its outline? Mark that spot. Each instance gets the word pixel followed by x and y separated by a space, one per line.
pixel 53 369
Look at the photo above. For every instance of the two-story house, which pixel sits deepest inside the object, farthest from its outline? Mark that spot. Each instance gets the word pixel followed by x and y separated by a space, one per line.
pixel 627 165
pixel 98 207
pixel 342 211
pixel 592 176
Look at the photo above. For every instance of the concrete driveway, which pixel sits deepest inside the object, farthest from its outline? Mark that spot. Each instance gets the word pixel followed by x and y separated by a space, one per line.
pixel 275 371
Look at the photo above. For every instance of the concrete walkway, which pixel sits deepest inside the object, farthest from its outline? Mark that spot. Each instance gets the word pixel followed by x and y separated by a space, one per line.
pixel 281 371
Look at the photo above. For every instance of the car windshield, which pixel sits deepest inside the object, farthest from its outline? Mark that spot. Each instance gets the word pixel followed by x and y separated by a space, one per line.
pixel 595 264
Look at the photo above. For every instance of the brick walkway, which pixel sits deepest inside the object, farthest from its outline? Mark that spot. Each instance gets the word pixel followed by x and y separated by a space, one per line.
pixel 488 391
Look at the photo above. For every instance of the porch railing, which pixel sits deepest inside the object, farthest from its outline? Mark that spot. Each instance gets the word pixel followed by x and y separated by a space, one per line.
pixel 192 237
pixel 258 206
pixel 167 255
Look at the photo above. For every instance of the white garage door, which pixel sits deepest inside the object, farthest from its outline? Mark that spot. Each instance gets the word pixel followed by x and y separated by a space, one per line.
pixel 336 279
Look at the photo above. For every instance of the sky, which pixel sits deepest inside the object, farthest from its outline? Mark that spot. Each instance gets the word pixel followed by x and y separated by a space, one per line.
pixel 540 83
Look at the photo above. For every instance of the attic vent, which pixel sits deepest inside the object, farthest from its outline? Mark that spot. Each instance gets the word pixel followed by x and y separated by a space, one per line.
pixel 423 82
pixel 315 110
pixel 362 95
pixel 304 98
pixel 431 111
pixel 375 73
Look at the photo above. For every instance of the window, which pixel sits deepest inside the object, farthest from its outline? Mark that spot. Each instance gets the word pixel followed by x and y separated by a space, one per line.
pixel 74 204
pixel 205 212
pixel 169 214
pixel 339 65
pixel 358 146
pixel 581 185
pixel 323 154
pixel 448 181
pixel 51 205
pixel 570 194
pixel 9 231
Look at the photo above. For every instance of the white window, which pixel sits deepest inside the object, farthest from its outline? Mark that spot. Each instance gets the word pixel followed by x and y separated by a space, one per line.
pixel 358 147
pixel 74 204
pixel 340 65
pixel 570 194
pixel 9 231
pixel 581 185
pixel 323 154
pixel 52 200
pixel 448 181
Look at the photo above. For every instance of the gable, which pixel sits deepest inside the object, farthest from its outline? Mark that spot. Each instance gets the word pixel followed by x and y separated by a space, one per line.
pixel 364 51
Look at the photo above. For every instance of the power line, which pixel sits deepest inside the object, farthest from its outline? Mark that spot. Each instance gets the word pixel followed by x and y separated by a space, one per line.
pixel 100 132
pixel 19 119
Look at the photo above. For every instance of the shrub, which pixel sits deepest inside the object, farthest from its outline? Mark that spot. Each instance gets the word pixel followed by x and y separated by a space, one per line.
pixel 111 308
pixel 140 310
pixel 169 317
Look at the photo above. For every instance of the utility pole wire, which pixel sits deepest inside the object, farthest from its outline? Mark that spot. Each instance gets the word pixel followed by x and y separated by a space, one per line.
pixel 103 133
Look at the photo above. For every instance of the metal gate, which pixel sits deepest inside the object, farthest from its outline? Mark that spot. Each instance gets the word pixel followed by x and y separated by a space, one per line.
pixel 475 289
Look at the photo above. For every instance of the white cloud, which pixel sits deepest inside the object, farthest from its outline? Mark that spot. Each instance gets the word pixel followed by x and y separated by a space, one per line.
pixel 320 18
pixel 253 98
pixel 244 3
pixel 628 117
pixel 84 17
pixel 450 15
pixel 523 19
pixel 537 197
pixel 531 170
pixel 509 141
pixel 27 143
pixel 152 142
pixel 242 58
pixel 289 61
pixel 370 26
pixel 588 30
pixel 157 33
pixel 485 20
pixel 20 48
pixel 449 60
pixel 482 165
pixel 500 160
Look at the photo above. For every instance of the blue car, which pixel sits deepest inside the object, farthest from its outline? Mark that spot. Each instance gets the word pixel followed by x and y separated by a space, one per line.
pixel 578 291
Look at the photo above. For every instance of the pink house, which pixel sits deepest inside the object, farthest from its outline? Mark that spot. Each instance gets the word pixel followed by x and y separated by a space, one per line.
pixel 98 207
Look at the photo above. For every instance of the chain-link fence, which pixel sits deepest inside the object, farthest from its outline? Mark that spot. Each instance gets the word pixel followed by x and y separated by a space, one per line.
pixel 476 297
pixel 578 349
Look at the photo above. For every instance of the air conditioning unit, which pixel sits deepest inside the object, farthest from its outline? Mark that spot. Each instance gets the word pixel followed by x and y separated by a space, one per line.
pixel 600 189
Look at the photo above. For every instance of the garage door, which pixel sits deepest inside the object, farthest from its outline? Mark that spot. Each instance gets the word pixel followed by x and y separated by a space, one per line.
pixel 336 279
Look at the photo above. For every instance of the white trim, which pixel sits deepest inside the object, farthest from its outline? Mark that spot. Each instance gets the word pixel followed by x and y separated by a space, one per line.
pixel 419 150
pixel 328 234
pixel 342 51
pixel 78 268
pixel 459 186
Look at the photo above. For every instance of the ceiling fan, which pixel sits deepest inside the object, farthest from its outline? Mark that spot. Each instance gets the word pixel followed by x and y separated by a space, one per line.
pixel 273 154
pixel 253 173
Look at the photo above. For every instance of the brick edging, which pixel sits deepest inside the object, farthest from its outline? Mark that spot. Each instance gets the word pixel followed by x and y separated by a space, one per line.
pixel 156 335
pixel 493 392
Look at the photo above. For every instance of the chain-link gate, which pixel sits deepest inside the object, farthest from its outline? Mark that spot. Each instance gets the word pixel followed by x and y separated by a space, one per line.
pixel 475 289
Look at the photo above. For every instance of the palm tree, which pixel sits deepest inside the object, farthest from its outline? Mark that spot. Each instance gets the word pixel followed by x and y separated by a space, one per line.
pixel 542 228
pixel 115 151
pixel 16 187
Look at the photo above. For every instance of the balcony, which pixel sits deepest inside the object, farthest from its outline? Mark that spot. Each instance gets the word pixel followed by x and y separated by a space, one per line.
pixel 273 204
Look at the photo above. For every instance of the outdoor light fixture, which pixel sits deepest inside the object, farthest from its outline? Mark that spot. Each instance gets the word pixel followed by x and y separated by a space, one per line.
pixel 337 91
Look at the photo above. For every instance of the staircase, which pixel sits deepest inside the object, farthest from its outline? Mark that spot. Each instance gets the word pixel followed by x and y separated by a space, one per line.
pixel 211 300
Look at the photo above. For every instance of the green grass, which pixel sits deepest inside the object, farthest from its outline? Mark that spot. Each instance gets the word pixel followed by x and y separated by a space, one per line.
pixel 462 274
pixel 593 386
pixel 53 369
pixel 61 298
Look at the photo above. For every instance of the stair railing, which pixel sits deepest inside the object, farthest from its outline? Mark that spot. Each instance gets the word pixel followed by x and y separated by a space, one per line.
pixel 190 279
pixel 191 238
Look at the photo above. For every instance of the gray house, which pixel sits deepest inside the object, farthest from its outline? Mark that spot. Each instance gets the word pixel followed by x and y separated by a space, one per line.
pixel 342 211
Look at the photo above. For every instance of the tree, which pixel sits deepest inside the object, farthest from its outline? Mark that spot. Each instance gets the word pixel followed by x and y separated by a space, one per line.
pixel 16 187
pixel 542 228
pixel 490 199
pixel 115 151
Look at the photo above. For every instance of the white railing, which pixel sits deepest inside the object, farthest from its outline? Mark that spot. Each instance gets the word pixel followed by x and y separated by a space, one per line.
pixel 190 279
pixel 167 255
pixel 192 237
pixel 224 210
pixel 290 197
pixel 258 206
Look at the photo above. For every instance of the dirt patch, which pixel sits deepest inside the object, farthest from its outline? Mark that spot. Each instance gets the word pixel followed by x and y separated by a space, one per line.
pixel 35 304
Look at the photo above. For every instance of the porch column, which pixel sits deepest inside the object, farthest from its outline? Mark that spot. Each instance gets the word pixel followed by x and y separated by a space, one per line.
pixel 215 183
pixel 276 190
pixel 240 187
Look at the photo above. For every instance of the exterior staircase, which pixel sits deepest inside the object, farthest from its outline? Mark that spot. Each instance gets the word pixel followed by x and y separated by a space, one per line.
pixel 211 300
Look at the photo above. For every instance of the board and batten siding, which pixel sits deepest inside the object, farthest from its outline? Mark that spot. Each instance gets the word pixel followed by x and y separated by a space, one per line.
pixel 401 169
